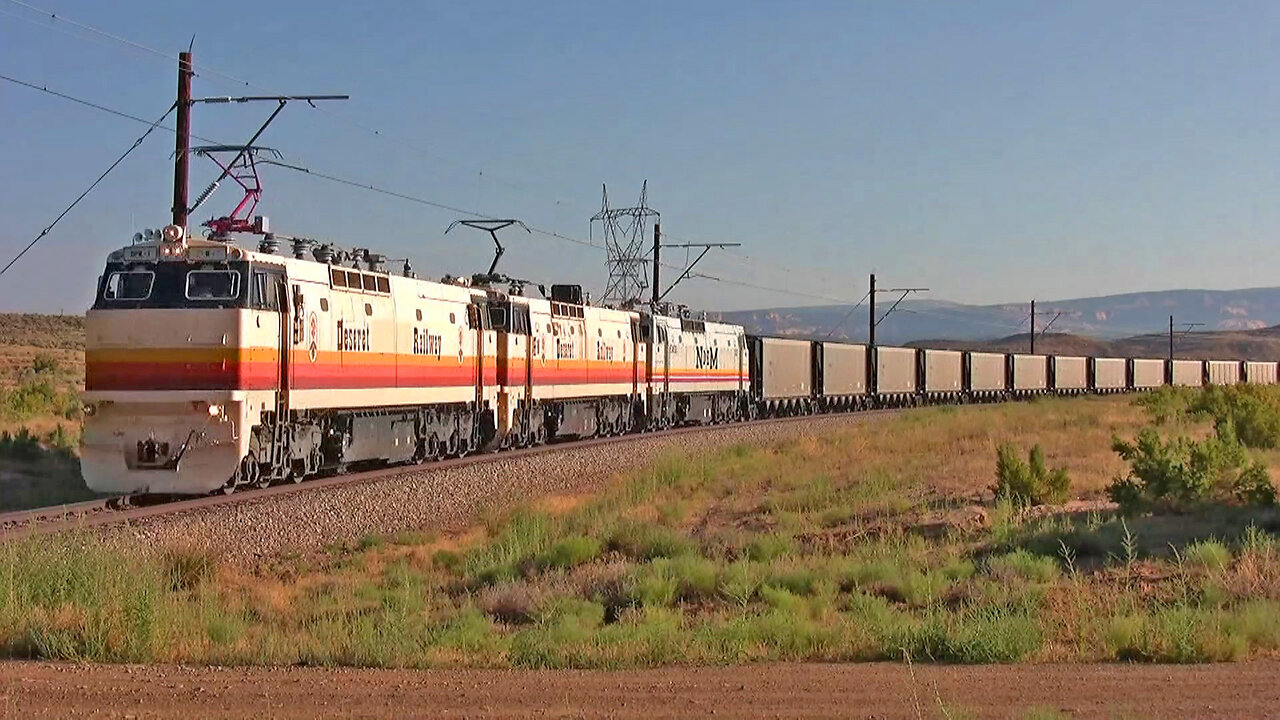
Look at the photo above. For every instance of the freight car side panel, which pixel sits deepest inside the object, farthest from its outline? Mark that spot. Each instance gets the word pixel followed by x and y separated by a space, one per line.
pixel 895 370
pixel 943 371
pixel 986 372
pixel 1147 374
pixel 1109 374
pixel 1188 373
pixel 786 366
pixel 844 369
pixel 1070 373
pixel 1260 373
pixel 1224 372
pixel 1030 372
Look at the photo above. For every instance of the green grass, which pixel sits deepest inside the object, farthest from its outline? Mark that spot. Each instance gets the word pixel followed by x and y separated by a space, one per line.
pixel 810 549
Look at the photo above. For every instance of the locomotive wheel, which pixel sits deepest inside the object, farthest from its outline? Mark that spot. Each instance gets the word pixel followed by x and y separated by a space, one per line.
pixel 251 472
pixel 230 485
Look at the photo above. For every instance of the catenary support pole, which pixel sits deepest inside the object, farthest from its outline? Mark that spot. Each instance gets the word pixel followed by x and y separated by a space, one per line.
pixel 182 145
pixel 657 263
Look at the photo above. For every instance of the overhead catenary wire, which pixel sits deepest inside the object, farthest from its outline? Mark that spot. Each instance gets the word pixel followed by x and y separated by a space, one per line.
pixel 57 20
pixel 384 191
pixel 938 312
pixel 87 190
pixel 228 78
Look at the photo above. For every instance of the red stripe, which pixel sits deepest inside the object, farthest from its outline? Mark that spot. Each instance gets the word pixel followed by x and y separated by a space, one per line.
pixel 181 376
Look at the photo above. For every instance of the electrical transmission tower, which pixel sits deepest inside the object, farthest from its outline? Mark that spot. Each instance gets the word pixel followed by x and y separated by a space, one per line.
pixel 625 238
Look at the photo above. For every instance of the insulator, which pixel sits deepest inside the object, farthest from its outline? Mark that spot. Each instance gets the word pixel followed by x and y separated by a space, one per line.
pixel 300 246
pixel 204 195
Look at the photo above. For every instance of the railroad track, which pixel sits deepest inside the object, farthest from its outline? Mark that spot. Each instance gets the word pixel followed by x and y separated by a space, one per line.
pixel 117 510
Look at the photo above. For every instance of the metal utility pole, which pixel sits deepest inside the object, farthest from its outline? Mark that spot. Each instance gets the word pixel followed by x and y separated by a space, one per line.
pixel 1057 314
pixel 1186 329
pixel 242 166
pixel 657 261
pixel 872 322
pixel 871 312
pixel 182 145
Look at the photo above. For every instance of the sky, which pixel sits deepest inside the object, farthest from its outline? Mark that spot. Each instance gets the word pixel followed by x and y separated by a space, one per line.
pixel 990 151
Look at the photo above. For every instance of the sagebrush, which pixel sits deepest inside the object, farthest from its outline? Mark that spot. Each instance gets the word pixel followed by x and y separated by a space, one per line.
pixel 1030 482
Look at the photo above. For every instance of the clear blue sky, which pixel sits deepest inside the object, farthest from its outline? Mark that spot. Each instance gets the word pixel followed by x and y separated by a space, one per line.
pixel 992 151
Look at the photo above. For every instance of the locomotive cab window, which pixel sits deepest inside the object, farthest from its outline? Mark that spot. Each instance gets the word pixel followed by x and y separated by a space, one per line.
pixel 213 285
pixel 129 285
pixel 498 317
pixel 265 290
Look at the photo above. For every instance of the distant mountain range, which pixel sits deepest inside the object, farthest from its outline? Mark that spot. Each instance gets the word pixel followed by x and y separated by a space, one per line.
pixel 1105 318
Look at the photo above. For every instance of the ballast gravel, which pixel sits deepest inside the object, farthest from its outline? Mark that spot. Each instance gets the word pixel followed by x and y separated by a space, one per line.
pixel 426 498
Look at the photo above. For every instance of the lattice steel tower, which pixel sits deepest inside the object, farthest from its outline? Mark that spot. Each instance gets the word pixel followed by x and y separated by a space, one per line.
pixel 625 237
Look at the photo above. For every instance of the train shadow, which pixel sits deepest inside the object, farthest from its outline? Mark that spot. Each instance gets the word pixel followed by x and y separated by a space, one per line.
pixel 1099 535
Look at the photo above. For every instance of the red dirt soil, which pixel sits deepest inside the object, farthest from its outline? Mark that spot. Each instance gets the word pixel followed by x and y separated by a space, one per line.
pixel 48 690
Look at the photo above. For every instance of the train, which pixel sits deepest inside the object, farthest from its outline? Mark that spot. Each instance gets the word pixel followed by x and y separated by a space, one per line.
pixel 211 367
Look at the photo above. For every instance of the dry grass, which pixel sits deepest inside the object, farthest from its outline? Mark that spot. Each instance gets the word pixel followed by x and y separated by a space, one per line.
pixel 853 545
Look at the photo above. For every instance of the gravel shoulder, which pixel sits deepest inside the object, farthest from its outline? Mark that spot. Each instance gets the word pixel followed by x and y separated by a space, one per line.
pixel 427 498
pixel 42 690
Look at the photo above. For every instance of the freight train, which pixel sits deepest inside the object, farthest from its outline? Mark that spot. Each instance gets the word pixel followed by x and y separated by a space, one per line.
pixel 210 367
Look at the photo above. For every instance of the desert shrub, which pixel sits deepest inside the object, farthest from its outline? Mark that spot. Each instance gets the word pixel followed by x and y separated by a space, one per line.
pixel 1167 403
pixel 189 568
pixel 570 552
pixel 46 364
pixel 978 635
pixel 1031 482
pixel 764 548
pixel 1180 473
pixel 513 602
pixel 39 394
pixel 738 583
pixel 1024 565
pixel 1208 554
pixel 1253 412
pixel 645 541
pixel 652 585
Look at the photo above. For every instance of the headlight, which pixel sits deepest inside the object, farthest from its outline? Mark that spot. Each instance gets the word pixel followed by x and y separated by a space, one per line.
pixel 215 410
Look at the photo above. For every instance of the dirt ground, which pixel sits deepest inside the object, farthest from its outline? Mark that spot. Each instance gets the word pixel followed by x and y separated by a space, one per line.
pixel 1242 690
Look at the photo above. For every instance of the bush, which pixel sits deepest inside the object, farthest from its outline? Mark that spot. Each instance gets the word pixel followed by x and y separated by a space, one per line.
pixel 764 548
pixel 46 364
pixel 189 568
pixel 570 552
pixel 1179 473
pixel 644 541
pixel 39 394
pixel 1208 554
pixel 1167 403
pixel 1252 411
pixel 1029 483
pixel 1024 565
